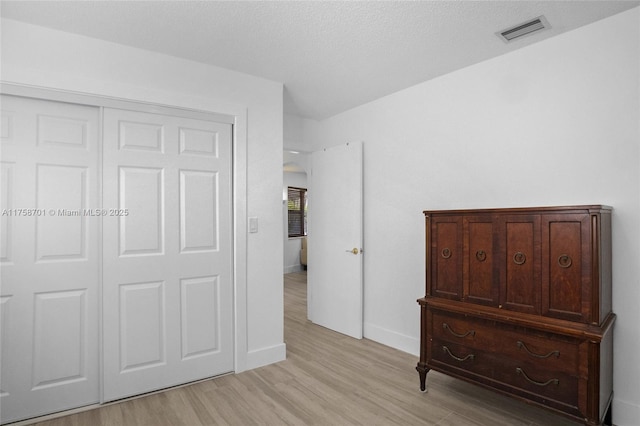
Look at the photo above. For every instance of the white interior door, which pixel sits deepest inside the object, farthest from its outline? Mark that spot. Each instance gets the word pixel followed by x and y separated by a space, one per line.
pixel 49 257
pixel 335 239
pixel 167 251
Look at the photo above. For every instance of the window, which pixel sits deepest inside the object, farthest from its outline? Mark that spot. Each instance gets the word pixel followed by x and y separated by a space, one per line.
pixel 297 211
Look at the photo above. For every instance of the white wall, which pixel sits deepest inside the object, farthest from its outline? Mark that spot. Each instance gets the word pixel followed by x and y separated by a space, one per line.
pixel 33 55
pixel 294 133
pixel 555 123
pixel 292 246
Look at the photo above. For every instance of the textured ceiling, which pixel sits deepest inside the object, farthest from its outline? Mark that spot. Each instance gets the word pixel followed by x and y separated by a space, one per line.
pixel 331 56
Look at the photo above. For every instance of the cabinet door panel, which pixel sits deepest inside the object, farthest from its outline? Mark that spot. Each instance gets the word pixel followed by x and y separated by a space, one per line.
pixel 566 266
pixel 446 254
pixel 479 283
pixel 521 280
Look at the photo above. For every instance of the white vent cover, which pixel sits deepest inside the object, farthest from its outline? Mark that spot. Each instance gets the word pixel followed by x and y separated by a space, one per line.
pixel 526 28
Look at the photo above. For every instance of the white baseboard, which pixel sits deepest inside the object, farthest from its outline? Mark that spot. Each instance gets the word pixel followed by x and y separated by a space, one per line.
pixel 625 413
pixel 391 338
pixel 266 356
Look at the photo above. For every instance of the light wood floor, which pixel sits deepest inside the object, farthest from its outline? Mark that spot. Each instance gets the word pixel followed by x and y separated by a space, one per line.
pixel 327 379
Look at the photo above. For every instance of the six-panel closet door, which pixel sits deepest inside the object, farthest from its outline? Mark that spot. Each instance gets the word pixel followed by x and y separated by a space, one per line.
pixel 167 289
pixel 49 257
pixel 138 239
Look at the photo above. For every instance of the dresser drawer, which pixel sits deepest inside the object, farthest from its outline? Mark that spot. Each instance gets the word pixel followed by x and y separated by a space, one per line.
pixel 448 355
pixel 547 351
pixel 539 383
pixel 459 329
pixel 510 374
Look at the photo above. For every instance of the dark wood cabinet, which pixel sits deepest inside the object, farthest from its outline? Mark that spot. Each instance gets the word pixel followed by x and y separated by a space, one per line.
pixel 519 300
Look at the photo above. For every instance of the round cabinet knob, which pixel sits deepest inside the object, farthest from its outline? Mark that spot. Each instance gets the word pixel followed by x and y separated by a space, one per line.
pixel 519 258
pixel 564 261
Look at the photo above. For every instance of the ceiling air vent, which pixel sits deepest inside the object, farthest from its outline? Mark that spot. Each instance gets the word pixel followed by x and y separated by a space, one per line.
pixel 526 28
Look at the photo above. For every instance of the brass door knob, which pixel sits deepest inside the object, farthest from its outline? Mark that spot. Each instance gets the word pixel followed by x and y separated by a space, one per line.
pixel 353 250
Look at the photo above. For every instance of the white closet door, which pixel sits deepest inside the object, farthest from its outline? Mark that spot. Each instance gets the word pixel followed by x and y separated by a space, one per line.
pixel 49 257
pixel 167 283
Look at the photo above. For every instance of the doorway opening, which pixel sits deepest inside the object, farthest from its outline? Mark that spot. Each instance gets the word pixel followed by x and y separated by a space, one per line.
pixel 294 196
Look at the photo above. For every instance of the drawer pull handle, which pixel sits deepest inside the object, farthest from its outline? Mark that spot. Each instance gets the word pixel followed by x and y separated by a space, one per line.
pixel 468 333
pixel 519 258
pixel 548 382
pixel 564 261
pixel 448 352
pixel 481 255
pixel 446 253
pixel 521 345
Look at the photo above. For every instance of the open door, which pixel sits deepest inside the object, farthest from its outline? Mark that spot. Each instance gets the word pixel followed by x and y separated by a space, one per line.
pixel 335 239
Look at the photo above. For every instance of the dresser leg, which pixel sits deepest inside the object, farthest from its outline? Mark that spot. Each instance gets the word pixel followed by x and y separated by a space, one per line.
pixel 422 370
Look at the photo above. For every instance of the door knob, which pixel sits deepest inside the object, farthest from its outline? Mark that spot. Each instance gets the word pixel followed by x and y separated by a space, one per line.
pixel 353 250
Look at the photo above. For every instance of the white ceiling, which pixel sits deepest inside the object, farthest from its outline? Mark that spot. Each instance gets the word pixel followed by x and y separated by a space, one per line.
pixel 331 56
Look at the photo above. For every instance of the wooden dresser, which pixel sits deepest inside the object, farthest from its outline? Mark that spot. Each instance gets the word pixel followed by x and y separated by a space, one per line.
pixel 519 300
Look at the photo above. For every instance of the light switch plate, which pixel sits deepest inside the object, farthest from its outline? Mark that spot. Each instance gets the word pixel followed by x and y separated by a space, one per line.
pixel 253 225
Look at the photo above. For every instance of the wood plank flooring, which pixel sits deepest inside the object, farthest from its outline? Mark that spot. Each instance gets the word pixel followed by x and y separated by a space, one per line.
pixel 327 379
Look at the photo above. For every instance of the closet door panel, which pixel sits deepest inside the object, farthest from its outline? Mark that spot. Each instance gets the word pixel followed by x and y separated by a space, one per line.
pixel 168 291
pixel 49 257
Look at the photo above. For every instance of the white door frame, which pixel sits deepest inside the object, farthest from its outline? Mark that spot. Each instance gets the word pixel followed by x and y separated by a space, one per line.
pixel 235 116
